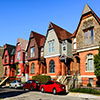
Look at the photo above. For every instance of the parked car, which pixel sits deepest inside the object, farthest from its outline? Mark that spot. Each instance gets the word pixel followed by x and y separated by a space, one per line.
pixel 15 84
pixel 53 87
pixel 31 85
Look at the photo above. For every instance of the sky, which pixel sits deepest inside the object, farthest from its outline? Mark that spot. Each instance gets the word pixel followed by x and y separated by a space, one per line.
pixel 19 17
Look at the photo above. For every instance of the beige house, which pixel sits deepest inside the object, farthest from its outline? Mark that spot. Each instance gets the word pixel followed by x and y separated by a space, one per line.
pixel 57 50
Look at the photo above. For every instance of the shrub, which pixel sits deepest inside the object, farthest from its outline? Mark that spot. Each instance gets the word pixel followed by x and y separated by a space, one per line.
pixel 86 90
pixel 89 85
pixel 42 78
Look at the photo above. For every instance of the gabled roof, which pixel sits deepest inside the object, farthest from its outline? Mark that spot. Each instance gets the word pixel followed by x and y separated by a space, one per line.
pixel 86 11
pixel 39 38
pixel 11 49
pixel 23 43
pixel 61 33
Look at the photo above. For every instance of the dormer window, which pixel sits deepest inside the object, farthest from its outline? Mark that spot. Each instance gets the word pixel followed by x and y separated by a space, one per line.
pixel 5 58
pixel 18 55
pixel 32 52
pixel 51 46
pixel 89 36
pixel 74 43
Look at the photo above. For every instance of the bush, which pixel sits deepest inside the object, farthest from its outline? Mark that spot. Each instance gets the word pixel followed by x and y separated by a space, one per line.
pixel 42 78
pixel 89 85
pixel 86 90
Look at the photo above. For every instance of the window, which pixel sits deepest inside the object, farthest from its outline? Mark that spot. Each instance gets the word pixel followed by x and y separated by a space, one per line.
pixel 74 43
pixel 18 55
pixel 89 36
pixel 64 45
pixel 12 59
pixel 51 46
pixel 49 83
pixel 89 65
pixel 19 71
pixel 32 68
pixel 32 52
pixel 6 59
pixel 91 81
pixel 52 67
pixel 6 71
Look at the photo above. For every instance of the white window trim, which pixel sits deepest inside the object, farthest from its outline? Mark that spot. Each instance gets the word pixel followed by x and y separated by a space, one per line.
pixel 74 44
pixel 50 46
pixel 87 63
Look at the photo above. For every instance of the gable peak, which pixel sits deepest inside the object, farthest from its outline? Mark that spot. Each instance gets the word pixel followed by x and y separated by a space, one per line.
pixel 86 9
pixel 50 25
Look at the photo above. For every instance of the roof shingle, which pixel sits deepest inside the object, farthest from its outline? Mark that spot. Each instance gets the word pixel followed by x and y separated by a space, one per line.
pixel 62 34
pixel 23 43
pixel 39 38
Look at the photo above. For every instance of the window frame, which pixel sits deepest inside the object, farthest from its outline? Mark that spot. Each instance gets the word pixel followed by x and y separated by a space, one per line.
pixel 64 45
pixel 74 43
pixel 6 71
pixel 5 58
pixel 32 52
pixel 51 46
pixel 33 69
pixel 87 68
pixel 89 39
pixel 18 55
pixel 51 67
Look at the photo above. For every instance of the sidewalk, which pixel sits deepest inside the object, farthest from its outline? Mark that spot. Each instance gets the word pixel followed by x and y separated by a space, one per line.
pixel 83 95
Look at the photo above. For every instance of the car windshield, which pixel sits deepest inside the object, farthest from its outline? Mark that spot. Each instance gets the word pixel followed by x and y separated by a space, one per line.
pixel 16 81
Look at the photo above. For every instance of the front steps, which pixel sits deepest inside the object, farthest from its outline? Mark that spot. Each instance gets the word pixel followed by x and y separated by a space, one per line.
pixel 69 81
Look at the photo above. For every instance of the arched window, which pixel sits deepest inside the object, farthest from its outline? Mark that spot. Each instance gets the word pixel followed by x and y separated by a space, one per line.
pixel 32 68
pixel 6 71
pixel 89 64
pixel 52 67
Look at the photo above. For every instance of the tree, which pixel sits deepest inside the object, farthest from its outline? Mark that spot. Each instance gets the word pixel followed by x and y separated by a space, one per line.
pixel 97 66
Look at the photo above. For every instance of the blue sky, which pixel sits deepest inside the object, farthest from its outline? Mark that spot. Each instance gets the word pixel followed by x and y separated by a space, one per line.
pixel 19 17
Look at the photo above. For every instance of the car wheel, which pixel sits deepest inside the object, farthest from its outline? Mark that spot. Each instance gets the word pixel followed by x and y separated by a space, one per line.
pixel 15 86
pixel 24 88
pixel 32 88
pixel 9 86
pixel 42 90
pixel 54 91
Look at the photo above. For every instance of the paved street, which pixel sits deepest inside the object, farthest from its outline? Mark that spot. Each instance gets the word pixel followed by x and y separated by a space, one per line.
pixel 19 94
pixel 6 92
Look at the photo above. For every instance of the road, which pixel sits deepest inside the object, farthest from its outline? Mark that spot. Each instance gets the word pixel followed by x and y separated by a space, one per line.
pixel 7 92
pixel 19 94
